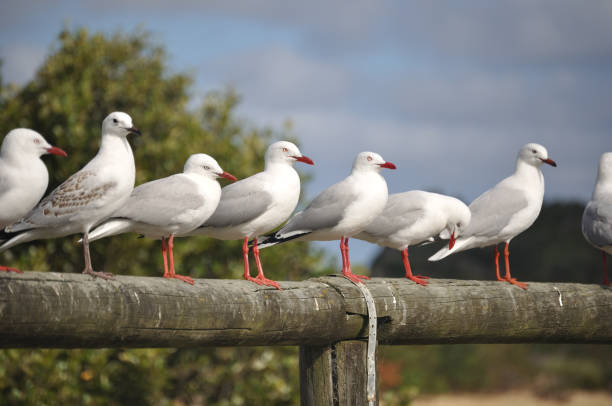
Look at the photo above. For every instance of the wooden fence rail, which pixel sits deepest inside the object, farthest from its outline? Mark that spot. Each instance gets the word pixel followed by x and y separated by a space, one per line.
pixel 73 310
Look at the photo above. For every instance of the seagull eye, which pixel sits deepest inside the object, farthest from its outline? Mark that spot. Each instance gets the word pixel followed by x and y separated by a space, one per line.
pixel 115 120
pixel 285 149
pixel 369 158
pixel 534 151
pixel 36 141
pixel 458 224
pixel 207 167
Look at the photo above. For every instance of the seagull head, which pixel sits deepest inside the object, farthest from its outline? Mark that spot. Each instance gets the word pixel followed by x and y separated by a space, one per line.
pixel 604 171
pixel 535 154
pixel 118 123
pixel 458 219
pixel 285 152
pixel 23 142
pixel 371 161
pixel 206 165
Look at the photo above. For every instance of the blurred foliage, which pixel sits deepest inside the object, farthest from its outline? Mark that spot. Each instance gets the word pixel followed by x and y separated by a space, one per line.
pixel 85 78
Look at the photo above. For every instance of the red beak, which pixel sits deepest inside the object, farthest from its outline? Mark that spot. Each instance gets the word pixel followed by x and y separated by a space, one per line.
pixel 451 243
pixel 56 151
pixel 549 162
pixel 387 165
pixel 228 175
pixel 304 159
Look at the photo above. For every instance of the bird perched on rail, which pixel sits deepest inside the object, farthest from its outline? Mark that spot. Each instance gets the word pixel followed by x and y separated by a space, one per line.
pixel 165 207
pixel 23 175
pixel 416 217
pixel 597 216
pixel 87 197
pixel 255 205
pixel 506 210
pixel 341 211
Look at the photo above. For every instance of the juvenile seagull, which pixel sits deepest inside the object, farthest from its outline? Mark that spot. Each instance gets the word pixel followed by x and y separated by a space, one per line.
pixel 414 217
pixel 23 175
pixel 506 210
pixel 165 207
pixel 87 197
pixel 255 205
pixel 341 211
pixel 597 216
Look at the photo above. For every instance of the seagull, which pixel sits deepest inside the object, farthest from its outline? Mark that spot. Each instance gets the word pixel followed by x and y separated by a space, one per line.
pixel 23 175
pixel 416 217
pixel 597 216
pixel 255 205
pixel 506 210
pixel 162 208
pixel 85 198
pixel 342 210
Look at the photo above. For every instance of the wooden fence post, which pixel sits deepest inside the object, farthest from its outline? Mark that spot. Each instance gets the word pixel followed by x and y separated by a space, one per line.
pixel 334 375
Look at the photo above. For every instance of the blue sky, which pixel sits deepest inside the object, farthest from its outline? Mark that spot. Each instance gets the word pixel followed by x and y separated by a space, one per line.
pixel 447 90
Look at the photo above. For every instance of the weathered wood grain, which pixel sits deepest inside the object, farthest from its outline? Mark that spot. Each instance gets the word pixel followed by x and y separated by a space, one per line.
pixel 73 310
pixel 335 374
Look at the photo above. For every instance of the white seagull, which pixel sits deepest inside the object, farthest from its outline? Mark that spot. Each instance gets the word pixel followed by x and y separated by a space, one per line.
pixel 23 175
pixel 415 217
pixel 257 204
pixel 87 197
pixel 165 207
pixel 506 210
pixel 341 211
pixel 597 216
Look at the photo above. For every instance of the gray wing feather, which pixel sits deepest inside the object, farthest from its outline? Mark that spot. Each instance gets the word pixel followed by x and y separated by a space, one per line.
pixel 325 211
pixel 400 212
pixel 240 202
pixel 161 200
pixel 78 192
pixel 597 223
pixel 492 210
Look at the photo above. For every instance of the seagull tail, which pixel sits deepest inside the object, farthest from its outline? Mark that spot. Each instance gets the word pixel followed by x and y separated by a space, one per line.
pixel 9 239
pixel 110 227
pixel 443 253
pixel 273 239
pixel 460 245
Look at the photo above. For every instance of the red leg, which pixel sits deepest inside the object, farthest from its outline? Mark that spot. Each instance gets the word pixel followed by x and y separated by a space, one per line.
pixel 417 279
pixel 164 248
pixel 245 254
pixel 9 269
pixel 499 278
pixel 260 274
pixel 172 272
pixel 343 254
pixel 346 263
pixel 507 277
pixel 605 268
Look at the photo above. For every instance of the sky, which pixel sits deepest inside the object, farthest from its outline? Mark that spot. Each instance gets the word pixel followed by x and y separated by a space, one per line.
pixel 447 90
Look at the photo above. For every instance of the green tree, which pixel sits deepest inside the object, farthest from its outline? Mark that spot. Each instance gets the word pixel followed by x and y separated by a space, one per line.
pixel 86 77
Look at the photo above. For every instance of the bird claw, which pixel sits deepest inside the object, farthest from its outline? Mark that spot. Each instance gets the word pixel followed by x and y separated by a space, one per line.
pixel 102 275
pixel 354 277
pixel 183 278
pixel 421 280
pixel 9 269
pixel 257 281
pixel 513 281
pixel 268 282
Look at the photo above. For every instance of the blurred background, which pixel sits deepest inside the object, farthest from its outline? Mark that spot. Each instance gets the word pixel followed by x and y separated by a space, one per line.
pixel 447 91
